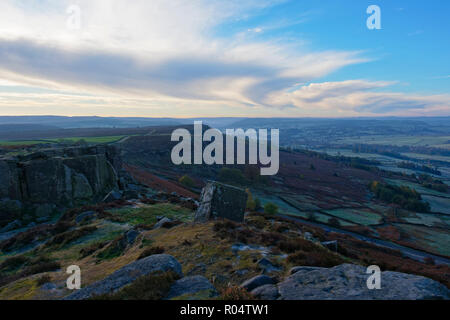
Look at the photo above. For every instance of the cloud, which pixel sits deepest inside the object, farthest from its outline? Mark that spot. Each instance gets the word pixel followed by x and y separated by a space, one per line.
pixel 164 57
pixel 359 97
pixel 155 49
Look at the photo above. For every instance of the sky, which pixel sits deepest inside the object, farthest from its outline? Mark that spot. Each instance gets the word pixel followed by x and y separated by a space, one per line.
pixel 233 58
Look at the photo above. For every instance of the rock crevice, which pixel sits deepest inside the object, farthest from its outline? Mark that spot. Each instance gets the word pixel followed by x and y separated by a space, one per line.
pixel 62 178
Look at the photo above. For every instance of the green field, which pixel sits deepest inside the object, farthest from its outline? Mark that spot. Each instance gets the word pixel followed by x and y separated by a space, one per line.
pixel 148 214
pixel 420 156
pixel 438 204
pixel 303 211
pixel 358 216
pixel 430 141
pixel 432 240
pixel 283 207
pixel 94 140
pixel 22 143
pixel 426 219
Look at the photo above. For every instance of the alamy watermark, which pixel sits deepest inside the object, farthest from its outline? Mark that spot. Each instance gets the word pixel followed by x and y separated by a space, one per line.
pixel 73 282
pixel 374 280
pixel 374 20
pixel 73 21
pixel 213 153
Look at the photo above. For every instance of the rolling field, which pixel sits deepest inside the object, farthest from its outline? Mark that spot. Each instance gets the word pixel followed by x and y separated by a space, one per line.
pixel 22 143
pixel 358 216
pixel 438 204
pixel 427 219
pixel 99 140
pixel 432 240
pixel 426 141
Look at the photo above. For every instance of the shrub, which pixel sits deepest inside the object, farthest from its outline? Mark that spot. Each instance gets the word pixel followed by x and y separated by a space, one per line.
pixel 13 263
pixel 334 222
pixel 171 224
pixel 251 204
pixel 281 227
pixel 115 249
pixel 236 293
pixel 24 267
pixel 270 208
pixel 187 181
pixel 63 239
pixel 27 237
pixel 62 226
pixel 256 221
pixel 41 267
pixel 90 249
pixel 224 225
pixel 292 245
pixel 43 280
pixel 319 258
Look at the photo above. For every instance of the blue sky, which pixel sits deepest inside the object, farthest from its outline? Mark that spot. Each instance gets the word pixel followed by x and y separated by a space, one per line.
pixel 413 46
pixel 224 58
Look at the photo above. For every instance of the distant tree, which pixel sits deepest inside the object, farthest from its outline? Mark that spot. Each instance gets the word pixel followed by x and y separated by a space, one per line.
pixel 402 196
pixel 270 208
pixel 251 204
pixel 312 167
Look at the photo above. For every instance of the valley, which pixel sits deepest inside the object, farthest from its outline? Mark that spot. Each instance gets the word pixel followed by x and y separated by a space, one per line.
pixel 374 210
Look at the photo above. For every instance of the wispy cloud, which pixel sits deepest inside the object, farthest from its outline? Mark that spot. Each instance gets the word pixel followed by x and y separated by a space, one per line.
pixel 155 57
pixel 360 97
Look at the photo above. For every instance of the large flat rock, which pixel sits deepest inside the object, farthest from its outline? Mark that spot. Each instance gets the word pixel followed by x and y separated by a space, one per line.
pixel 349 282
pixel 128 274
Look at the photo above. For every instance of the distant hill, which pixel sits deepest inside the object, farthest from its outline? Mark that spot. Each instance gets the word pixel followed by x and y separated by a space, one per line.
pixel 21 127
pixel 87 122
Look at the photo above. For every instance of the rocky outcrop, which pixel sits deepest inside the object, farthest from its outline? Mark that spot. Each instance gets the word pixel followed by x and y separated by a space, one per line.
pixel 266 292
pixel 128 274
pixel 349 282
pixel 161 223
pixel 256 282
pixel 189 288
pixel 221 201
pixel 38 183
pixel 194 287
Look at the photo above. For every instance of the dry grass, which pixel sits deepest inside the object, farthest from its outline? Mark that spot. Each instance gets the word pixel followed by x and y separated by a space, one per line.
pixel 235 293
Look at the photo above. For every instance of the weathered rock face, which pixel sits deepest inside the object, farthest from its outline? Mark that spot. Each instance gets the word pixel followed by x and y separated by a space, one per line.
pixel 256 282
pixel 221 201
pixel 193 287
pixel 349 282
pixel 53 178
